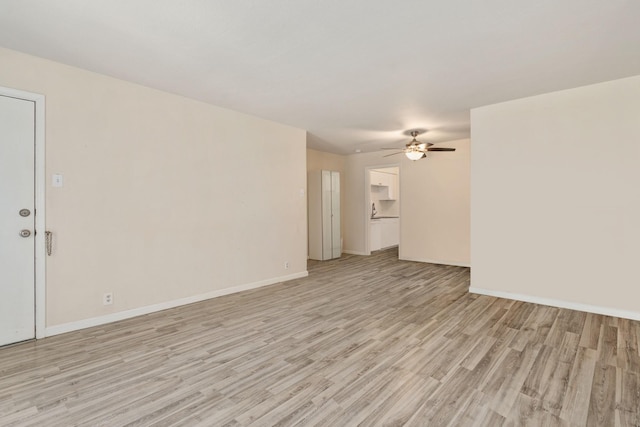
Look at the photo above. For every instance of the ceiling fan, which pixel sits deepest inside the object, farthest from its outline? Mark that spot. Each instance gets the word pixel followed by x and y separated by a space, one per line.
pixel 416 150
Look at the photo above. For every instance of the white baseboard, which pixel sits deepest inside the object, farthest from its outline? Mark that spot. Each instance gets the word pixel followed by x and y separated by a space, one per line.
pixel 607 311
pixel 437 261
pixel 127 314
pixel 345 251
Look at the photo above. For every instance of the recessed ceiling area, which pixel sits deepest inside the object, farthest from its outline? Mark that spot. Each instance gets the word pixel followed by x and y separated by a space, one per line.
pixel 357 75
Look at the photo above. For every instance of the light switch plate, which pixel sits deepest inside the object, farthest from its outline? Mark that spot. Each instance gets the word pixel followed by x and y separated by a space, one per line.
pixel 57 179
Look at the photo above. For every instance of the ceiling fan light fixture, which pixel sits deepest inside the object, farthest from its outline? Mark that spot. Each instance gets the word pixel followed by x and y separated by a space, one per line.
pixel 414 155
pixel 416 150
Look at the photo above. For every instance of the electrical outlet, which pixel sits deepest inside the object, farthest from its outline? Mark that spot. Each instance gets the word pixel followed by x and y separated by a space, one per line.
pixel 107 299
pixel 286 265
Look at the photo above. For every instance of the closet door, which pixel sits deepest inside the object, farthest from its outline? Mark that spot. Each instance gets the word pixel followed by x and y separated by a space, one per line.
pixel 336 247
pixel 327 231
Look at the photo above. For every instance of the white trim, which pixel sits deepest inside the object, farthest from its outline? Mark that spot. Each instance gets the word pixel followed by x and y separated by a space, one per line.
pixel 607 311
pixel 344 251
pixel 127 314
pixel 40 185
pixel 437 261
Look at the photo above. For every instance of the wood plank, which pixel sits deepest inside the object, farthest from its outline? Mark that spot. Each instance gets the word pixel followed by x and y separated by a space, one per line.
pixel 553 397
pixel 608 345
pixel 591 331
pixel 575 406
pixel 509 379
pixel 628 349
pixel 627 401
pixel 603 396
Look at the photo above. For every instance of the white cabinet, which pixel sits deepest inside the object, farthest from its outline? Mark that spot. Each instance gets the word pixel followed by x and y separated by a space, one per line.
pixel 324 215
pixel 380 178
pixel 392 189
pixel 375 234
pixel 390 232
pixel 386 180
pixel 384 233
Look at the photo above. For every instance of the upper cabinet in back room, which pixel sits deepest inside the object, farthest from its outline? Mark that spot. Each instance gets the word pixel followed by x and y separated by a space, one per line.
pixel 385 183
pixel 381 178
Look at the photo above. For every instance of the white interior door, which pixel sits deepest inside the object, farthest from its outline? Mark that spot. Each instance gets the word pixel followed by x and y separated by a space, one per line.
pixel 17 219
pixel 327 232
pixel 336 247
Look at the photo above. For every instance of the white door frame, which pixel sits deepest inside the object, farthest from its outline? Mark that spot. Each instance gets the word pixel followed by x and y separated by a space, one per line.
pixel 40 183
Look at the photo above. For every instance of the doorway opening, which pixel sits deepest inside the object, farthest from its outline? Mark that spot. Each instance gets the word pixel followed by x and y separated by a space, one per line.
pixel 382 207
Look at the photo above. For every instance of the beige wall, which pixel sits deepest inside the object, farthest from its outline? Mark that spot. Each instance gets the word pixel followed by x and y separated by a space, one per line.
pixel 434 204
pixel 435 207
pixel 555 201
pixel 320 160
pixel 162 201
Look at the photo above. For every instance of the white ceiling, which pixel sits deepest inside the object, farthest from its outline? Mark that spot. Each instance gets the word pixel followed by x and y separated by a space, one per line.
pixel 356 74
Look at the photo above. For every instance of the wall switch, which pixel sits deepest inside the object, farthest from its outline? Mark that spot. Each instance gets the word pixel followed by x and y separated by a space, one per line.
pixel 107 299
pixel 286 265
pixel 57 180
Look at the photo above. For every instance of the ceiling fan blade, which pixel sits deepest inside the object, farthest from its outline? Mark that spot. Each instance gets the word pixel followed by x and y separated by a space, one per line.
pixel 393 154
pixel 390 148
pixel 441 149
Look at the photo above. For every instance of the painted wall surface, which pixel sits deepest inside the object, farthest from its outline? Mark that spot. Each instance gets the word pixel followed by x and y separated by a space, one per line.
pixel 555 201
pixel 320 160
pixel 158 202
pixel 434 204
pixel 435 207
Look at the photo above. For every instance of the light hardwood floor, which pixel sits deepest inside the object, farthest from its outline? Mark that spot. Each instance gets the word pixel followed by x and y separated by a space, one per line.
pixel 365 341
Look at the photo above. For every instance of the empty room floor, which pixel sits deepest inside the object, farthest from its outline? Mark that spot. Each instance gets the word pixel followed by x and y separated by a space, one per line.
pixel 365 341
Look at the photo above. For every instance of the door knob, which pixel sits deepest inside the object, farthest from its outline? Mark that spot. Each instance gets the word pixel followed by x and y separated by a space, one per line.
pixel 25 233
pixel 25 212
